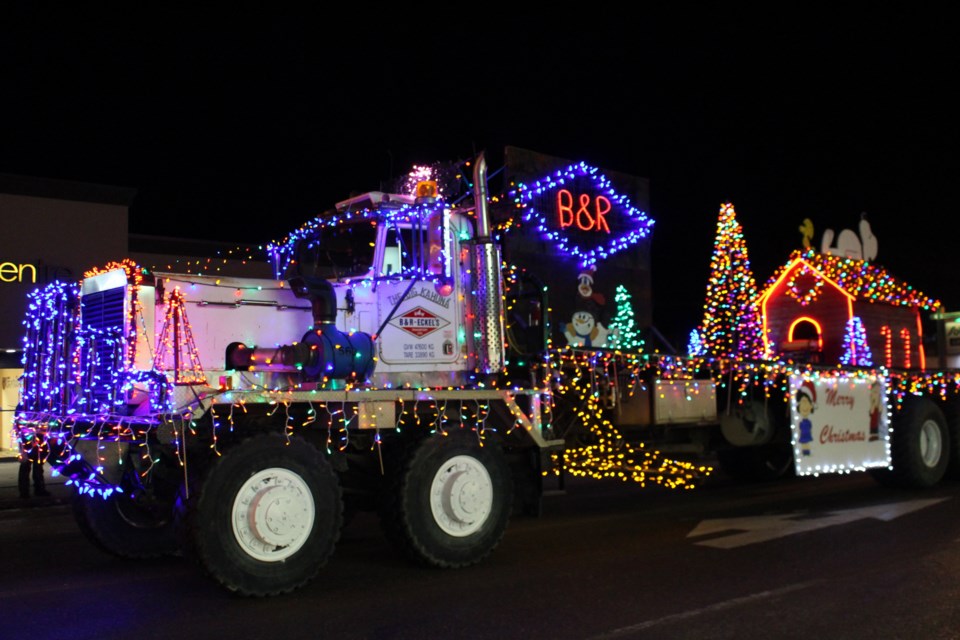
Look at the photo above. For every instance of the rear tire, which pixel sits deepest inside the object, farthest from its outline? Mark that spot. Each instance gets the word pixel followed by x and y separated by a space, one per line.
pixel 951 411
pixel 920 447
pixel 449 501
pixel 268 516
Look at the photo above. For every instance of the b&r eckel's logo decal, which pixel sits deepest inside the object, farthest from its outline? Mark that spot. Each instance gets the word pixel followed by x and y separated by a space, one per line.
pixel 418 322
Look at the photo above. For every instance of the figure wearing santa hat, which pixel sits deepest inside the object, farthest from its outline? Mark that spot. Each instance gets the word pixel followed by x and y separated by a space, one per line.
pixel 806 402
pixel 585 328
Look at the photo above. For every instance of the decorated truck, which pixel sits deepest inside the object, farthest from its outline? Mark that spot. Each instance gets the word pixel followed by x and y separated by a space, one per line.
pixel 435 353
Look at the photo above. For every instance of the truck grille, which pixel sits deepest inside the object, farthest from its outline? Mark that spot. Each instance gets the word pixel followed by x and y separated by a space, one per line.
pixel 103 317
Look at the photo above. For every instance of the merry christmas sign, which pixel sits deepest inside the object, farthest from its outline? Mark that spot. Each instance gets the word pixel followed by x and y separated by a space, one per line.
pixel 839 422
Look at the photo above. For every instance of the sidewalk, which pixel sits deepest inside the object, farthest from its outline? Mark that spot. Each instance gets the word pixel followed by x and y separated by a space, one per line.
pixel 10 494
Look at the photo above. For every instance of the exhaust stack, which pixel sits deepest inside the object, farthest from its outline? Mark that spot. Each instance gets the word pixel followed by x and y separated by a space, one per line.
pixel 489 287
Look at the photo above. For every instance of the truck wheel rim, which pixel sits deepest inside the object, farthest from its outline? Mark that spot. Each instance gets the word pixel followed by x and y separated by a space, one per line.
pixel 273 514
pixel 931 443
pixel 461 496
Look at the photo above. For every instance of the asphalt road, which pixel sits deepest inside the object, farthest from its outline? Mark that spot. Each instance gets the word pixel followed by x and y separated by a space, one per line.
pixel 829 557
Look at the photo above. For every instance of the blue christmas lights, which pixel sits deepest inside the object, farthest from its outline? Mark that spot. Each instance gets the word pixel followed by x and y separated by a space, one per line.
pixel 48 358
pixel 283 253
pixel 855 349
pixel 584 212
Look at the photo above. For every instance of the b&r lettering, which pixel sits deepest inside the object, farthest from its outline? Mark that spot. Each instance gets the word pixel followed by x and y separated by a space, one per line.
pixel 589 216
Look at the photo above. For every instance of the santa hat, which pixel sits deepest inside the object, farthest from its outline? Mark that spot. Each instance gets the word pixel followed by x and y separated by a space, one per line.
pixel 808 390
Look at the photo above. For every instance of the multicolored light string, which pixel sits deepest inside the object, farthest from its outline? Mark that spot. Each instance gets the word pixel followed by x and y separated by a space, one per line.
pixel 731 325
pixel 176 342
pixel 585 207
pixel 860 278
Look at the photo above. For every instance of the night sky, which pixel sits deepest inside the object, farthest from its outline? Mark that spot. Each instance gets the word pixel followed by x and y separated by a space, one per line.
pixel 242 126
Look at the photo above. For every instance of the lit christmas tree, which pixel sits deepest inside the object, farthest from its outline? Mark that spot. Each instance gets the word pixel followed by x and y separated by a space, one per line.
pixel 624 333
pixel 855 349
pixel 176 348
pixel 695 345
pixel 731 321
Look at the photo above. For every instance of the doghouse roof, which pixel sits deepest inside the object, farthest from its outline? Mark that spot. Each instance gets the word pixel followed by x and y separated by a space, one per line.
pixel 859 278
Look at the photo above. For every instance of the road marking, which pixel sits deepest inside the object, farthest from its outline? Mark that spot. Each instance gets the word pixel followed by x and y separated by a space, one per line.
pixel 713 608
pixel 754 529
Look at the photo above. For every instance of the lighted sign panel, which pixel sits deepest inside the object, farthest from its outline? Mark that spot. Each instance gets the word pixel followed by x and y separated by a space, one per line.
pixel 422 329
pixel 581 213
pixel 582 232
pixel 839 423
pixel 45 240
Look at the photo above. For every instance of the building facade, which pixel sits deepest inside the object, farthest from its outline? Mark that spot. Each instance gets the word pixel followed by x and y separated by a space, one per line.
pixel 57 230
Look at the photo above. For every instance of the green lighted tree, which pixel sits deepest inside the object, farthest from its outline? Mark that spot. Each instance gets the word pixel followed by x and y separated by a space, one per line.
pixel 624 333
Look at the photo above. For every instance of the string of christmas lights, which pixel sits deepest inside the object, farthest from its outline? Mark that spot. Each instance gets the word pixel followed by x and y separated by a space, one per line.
pixel 731 325
pixel 624 333
pixel 860 278
pixel 856 352
pixel 79 394
pixel 176 341
pixel 585 213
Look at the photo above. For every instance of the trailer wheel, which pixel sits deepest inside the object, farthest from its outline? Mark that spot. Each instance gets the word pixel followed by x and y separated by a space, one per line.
pixel 267 516
pixel 919 447
pixel 125 525
pixel 449 501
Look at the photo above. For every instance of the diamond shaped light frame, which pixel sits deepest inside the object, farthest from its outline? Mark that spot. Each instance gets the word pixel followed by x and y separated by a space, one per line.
pixel 640 224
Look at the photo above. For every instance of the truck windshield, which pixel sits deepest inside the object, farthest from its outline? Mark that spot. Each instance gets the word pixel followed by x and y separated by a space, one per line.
pixel 341 251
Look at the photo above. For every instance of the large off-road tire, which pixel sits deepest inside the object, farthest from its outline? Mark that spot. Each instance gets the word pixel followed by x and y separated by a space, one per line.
pixel 920 447
pixel 758 464
pixel 267 516
pixel 448 502
pixel 126 526
pixel 951 411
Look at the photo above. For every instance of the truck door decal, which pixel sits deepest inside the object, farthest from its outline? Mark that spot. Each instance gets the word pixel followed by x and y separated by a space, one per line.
pixel 418 322
pixel 422 328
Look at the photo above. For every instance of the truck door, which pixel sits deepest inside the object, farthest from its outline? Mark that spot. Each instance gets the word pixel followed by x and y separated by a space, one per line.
pixel 416 298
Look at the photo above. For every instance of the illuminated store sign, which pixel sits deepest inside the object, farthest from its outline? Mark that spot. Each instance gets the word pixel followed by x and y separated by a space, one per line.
pixel 13 272
pixel 28 273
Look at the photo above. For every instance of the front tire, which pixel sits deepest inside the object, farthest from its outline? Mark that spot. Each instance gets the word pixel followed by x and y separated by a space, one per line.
pixel 449 502
pixel 126 526
pixel 268 516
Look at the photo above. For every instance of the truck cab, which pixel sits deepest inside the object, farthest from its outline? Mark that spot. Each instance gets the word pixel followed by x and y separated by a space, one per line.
pixel 399 269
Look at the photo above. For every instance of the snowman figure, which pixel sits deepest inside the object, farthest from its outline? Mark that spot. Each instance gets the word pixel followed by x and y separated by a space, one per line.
pixel 584 330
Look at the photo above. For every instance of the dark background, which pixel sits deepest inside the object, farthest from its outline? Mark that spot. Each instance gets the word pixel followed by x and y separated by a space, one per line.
pixel 240 125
